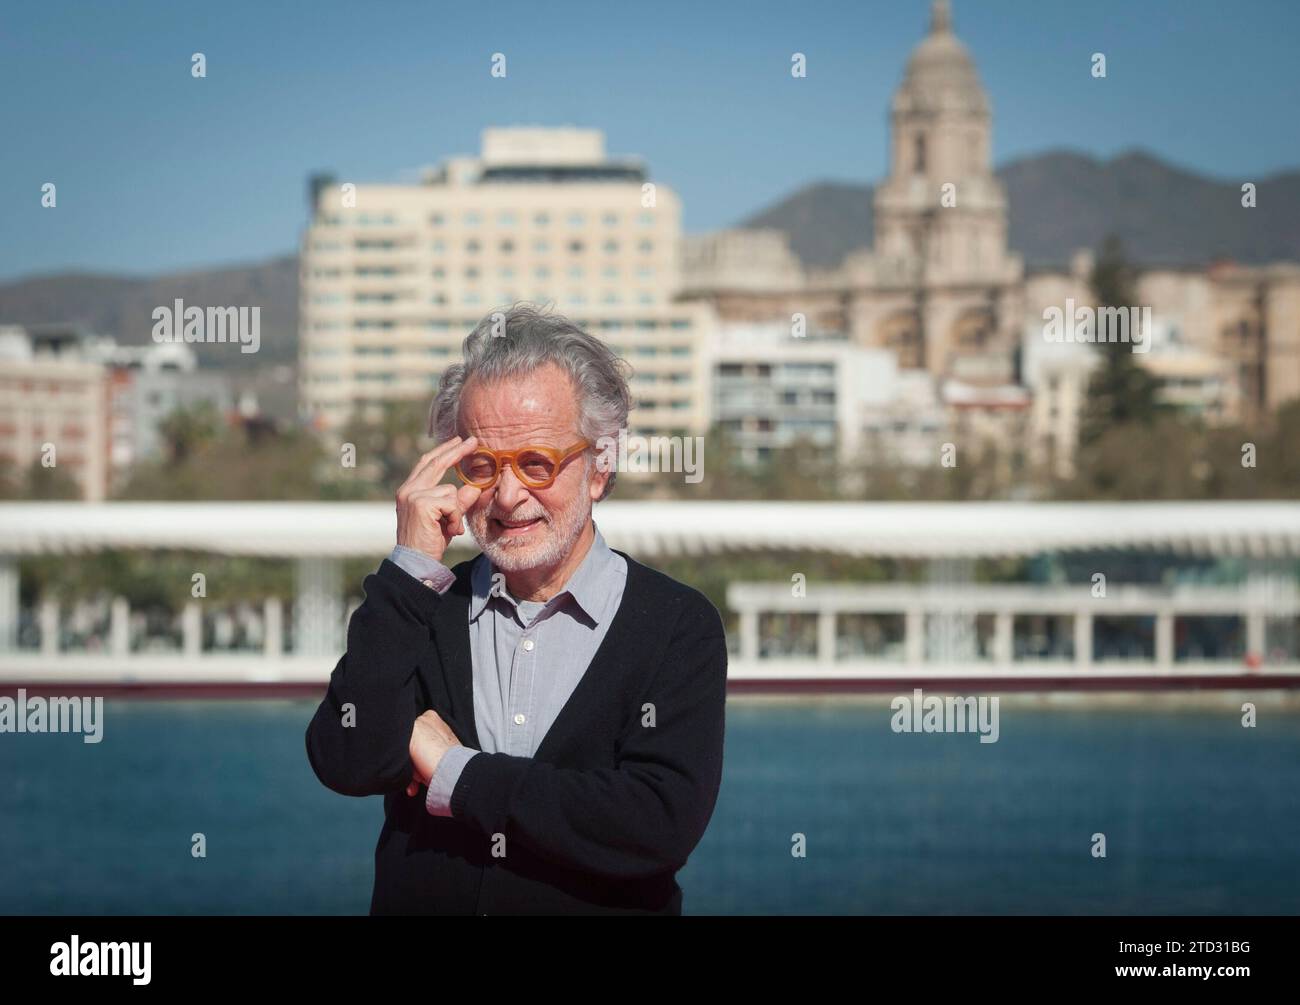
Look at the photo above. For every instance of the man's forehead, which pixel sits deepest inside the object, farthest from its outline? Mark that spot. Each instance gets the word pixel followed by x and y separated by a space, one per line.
pixel 534 401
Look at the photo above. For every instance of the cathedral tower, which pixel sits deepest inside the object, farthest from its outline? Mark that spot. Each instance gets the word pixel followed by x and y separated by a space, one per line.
pixel 941 214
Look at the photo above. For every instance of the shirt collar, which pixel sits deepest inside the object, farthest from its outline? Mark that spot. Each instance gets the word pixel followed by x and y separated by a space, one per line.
pixel 584 586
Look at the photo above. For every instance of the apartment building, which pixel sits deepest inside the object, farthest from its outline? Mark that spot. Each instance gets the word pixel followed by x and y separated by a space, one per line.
pixel 394 276
pixel 54 405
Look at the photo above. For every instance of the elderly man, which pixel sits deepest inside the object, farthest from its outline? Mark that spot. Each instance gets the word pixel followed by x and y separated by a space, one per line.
pixel 545 722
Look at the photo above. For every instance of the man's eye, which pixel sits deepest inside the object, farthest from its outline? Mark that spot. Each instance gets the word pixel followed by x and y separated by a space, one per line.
pixel 536 465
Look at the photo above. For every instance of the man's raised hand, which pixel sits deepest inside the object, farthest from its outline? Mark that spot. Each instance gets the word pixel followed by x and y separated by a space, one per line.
pixel 429 514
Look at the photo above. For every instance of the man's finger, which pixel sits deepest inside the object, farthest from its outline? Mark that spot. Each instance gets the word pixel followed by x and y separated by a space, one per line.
pixel 467 495
pixel 429 455
pixel 438 465
pixel 440 459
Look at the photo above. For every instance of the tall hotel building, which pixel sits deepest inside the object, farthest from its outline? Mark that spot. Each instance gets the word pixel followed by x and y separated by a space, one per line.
pixel 395 276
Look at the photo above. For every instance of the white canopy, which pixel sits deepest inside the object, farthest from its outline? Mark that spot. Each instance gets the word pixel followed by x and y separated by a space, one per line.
pixel 899 530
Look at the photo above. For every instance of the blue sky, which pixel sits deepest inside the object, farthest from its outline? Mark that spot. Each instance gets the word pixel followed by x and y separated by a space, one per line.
pixel 158 172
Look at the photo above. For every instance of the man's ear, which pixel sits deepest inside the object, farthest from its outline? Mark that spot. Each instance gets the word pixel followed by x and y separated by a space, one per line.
pixel 597 482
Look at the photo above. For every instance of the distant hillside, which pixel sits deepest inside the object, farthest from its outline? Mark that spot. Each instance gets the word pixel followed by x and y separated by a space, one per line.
pixel 123 307
pixel 1061 201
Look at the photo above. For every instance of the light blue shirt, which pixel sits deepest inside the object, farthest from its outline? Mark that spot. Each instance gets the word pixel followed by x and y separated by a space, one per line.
pixel 528 656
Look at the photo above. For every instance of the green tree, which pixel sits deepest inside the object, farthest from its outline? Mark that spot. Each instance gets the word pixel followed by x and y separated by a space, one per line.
pixel 37 482
pixel 207 460
pixel 1121 392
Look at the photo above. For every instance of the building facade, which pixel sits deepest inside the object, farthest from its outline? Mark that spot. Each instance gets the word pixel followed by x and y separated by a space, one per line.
pixel 394 276
pixel 940 289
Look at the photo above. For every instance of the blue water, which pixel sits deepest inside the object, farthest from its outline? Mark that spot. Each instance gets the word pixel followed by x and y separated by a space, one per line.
pixel 1200 815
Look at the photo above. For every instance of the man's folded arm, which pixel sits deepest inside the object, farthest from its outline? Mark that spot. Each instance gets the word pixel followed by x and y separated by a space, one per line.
pixel 644 817
pixel 358 742
pixel 437 798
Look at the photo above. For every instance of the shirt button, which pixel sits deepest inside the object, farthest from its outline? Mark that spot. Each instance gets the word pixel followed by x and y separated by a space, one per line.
pixel 428 583
pixel 519 718
pixel 528 645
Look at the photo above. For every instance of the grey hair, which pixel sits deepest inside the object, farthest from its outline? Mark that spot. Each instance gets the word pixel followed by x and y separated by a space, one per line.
pixel 517 340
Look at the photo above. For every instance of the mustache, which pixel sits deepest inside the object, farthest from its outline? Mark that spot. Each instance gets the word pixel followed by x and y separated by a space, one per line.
pixel 535 512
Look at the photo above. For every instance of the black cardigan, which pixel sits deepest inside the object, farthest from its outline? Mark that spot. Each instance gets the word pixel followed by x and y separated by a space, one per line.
pixel 599 821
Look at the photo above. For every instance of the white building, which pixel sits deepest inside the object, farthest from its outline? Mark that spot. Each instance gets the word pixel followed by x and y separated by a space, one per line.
pixel 394 276
pixel 54 406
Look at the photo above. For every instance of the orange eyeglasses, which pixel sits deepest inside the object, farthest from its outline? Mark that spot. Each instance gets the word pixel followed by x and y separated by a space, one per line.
pixel 535 467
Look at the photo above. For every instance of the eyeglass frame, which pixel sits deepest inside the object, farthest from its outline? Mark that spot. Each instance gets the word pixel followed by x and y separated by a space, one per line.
pixel 504 457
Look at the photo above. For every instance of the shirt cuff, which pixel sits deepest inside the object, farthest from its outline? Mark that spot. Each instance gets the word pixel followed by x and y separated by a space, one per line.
pixel 423 567
pixel 438 799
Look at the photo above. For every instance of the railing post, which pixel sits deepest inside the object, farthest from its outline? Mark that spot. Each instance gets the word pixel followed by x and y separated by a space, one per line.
pixel 49 618
pixel 1164 640
pixel 1003 629
pixel 192 630
pixel 9 601
pixel 826 636
pixel 748 635
pixel 273 639
pixel 914 636
pixel 120 627
pixel 1255 634
pixel 1083 639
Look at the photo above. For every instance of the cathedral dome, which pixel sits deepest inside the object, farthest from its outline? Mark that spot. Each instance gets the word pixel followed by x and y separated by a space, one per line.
pixel 940 73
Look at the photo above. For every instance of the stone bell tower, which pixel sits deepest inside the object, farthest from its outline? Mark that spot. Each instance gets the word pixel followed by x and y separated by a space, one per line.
pixel 941 217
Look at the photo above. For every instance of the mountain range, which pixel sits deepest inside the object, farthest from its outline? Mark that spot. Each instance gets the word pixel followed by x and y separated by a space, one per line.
pixel 1058 202
pixel 1061 201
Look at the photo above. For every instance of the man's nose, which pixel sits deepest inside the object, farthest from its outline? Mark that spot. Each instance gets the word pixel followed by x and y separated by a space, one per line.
pixel 510 491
